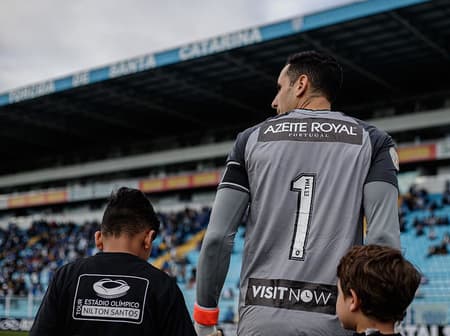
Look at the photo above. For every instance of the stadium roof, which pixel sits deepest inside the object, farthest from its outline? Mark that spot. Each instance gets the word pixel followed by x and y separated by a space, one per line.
pixel 395 55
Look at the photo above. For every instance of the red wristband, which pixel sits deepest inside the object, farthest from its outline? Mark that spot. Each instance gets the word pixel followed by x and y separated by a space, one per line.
pixel 206 316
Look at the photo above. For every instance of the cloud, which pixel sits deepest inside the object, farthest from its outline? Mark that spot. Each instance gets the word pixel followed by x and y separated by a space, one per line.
pixel 51 38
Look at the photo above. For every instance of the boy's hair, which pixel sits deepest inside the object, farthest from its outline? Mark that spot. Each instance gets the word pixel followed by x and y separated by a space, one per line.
pixel 383 280
pixel 128 212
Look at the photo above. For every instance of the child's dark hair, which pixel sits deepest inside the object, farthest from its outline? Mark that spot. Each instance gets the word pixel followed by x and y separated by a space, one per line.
pixel 383 280
pixel 128 212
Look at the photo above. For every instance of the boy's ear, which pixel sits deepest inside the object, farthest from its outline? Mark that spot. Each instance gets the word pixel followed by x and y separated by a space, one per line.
pixel 355 302
pixel 99 240
pixel 148 239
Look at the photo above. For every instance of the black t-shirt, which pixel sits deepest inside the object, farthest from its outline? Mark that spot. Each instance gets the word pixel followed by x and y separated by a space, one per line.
pixel 112 294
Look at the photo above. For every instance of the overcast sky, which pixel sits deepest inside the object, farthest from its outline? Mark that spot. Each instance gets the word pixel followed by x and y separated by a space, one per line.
pixel 45 39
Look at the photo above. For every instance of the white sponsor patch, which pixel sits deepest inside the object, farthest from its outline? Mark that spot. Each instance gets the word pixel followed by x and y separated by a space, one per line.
pixel 289 294
pixel 311 130
pixel 394 157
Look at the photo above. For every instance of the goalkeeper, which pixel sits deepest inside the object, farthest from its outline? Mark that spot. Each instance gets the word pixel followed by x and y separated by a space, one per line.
pixel 308 175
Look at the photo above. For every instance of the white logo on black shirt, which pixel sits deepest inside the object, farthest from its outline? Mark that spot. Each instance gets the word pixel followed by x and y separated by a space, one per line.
pixel 111 289
pixel 110 298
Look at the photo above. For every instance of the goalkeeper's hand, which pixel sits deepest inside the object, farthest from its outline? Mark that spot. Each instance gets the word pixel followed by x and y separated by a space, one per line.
pixel 203 330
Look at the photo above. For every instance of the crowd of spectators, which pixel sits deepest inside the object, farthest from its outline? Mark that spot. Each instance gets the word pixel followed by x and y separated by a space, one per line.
pixel 426 220
pixel 29 257
pixel 176 227
pixel 419 199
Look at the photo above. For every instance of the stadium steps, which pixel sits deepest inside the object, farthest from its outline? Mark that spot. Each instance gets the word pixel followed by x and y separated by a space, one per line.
pixel 231 281
pixel 436 268
pixel 181 250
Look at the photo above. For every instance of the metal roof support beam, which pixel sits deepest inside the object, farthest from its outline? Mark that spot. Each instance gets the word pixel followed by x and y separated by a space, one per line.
pixel 146 103
pixel 355 67
pixel 28 119
pixel 240 62
pixel 421 36
pixel 6 153
pixel 212 92
pixel 76 107
pixel 27 139
pixel 90 113
pixel 165 109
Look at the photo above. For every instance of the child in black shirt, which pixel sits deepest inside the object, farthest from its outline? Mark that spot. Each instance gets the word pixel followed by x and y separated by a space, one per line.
pixel 116 291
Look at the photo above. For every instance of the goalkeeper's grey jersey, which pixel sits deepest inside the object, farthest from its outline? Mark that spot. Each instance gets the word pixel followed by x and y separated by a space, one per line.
pixel 305 172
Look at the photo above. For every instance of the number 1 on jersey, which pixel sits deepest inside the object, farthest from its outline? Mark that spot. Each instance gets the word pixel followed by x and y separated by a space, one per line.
pixel 303 184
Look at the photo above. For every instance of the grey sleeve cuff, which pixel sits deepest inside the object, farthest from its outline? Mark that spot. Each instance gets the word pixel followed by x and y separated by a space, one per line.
pixel 228 209
pixel 381 210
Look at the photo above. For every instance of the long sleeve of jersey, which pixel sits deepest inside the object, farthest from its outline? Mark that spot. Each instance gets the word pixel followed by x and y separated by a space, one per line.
pixel 381 192
pixel 228 209
pixel 380 208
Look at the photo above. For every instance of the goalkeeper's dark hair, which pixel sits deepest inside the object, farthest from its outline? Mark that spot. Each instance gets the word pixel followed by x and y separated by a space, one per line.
pixel 128 212
pixel 323 71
